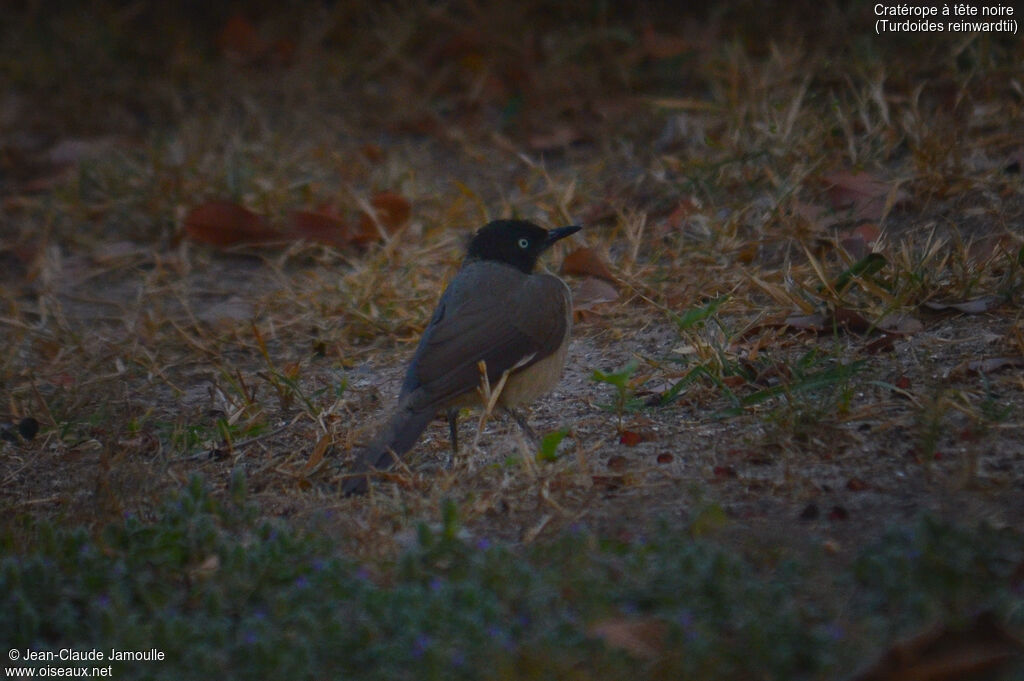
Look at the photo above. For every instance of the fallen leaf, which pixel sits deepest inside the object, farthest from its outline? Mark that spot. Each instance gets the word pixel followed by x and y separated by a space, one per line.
pixel 857 485
pixel 630 438
pixel 858 241
pixel 392 213
pixel 317 455
pixel 223 224
pixel 586 262
pixel 884 343
pixel 591 293
pixel 946 653
pixel 976 306
pixel 806 322
pixel 641 637
pixel 987 247
pixel 321 227
pixel 902 324
pixel 617 463
pixel 862 194
pixel 987 366
pixel 814 216
pixel 724 472
pixel 851 320
pixel 665 458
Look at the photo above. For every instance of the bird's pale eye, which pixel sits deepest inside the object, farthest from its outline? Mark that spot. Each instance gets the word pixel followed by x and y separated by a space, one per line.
pixel 523 243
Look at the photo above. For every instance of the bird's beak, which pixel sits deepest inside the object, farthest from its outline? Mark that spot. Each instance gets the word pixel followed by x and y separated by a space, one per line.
pixel 560 233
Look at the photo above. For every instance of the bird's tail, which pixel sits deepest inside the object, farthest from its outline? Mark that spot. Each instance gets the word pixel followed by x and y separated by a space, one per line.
pixel 399 435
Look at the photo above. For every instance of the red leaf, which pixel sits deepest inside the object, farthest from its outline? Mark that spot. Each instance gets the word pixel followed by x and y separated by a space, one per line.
pixel 393 212
pixel 665 458
pixel 223 224
pixel 586 262
pixel 725 472
pixel 630 438
pixel 321 227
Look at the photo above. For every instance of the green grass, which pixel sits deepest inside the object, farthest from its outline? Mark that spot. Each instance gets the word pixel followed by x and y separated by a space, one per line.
pixel 225 594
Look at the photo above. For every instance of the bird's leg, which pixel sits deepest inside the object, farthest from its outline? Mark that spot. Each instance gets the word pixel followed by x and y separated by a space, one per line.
pixel 453 430
pixel 524 426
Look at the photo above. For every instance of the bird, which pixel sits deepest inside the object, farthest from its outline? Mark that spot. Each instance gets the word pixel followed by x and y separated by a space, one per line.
pixel 495 310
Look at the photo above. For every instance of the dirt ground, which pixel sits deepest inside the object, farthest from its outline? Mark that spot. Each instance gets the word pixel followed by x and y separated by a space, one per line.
pixel 717 168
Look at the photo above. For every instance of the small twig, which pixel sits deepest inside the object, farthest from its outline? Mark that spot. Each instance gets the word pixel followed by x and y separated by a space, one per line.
pixel 237 445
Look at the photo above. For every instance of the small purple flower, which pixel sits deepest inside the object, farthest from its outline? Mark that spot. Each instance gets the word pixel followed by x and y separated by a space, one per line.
pixel 421 644
pixel 436 584
pixel 363 574
pixel 457 658
pixel 483 543
pixel 301 582
pixel 835 631
pixel 249 638
pixel 103 601
pixel 685 619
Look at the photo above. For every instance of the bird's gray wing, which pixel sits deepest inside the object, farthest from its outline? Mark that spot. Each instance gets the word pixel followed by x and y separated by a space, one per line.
pixel 490 312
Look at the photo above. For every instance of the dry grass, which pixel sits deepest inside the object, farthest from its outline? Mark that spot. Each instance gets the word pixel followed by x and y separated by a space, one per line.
pixel 702 159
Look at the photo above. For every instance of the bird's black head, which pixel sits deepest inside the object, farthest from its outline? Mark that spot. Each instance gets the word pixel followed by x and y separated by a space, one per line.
pixel 514 242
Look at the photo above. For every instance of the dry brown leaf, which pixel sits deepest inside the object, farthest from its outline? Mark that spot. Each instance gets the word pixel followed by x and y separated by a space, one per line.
pixel 321 227
pixel 317 456
pixel 944 653
pixel 641 637
pixel 806 322
pixel 986 366
pixel 900 323
pixel 976 306
pixel 592 293
pixel 392 211
pixel 588 263
pixel 863 194
pixel 223 224
pixel 858 241
pixel 991 246
pixel 851 320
